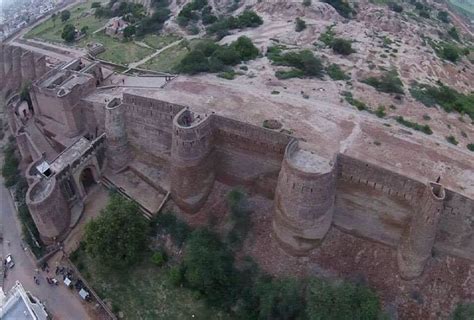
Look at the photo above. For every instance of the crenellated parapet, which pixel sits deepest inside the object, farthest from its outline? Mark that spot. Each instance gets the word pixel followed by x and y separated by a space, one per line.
pixel 417 242
pixel 304 199
pixel 118 149
pixel 192 160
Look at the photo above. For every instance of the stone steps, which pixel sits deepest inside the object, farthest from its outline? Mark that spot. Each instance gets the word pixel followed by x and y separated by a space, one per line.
pixel 110 185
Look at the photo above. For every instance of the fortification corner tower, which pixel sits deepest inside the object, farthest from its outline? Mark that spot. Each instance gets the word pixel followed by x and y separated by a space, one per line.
pixel 418 239
pixel 304 200
pixel 118 149
pixel 192 160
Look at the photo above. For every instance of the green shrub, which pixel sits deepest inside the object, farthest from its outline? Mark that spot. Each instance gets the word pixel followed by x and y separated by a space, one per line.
pixel 159 258
pixel 176 276
pixel 380 112
pixel 209 268
pixel 450 52
pixel 306 3
pixel 451 139
pixel 470 146
pixel 240 215
pixel 342 7
pixel 342 46
pixel 336 73
pixel 356 103
pixel 167 223
pixel 247 19
pixel 423 128
pixel 228 75
pixel 300 25
pixel 293 73
pixel 388 82
pixel 327 37
pixel 305 61
pixel 342 301
pixel 464 311
pixel 446 97
pixel 69 33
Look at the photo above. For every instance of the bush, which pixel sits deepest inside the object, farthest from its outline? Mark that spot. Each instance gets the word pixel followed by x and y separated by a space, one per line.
pixel 395 7
pixel 65 15
pixel 453 32
pixel 240 218
pixel 342 301
pixel 356 103
pixel 388 82
pixel 209 268
pixel 443 16
pixel 304 61
pixel 336 73
pixel 451 139
pixel 95 5
pixel 279 298
pixel 167 223
pixel 210 57
pixel 446 97
pixel 247 19
pixel 423 128
pixel 450 52
pixel 176 276
pixel 300 25
pixel 380 112
pixel 306 3
pixel 342 46
pixel 159 258
pixel 470 147
pixel 464 311
pixel 342 7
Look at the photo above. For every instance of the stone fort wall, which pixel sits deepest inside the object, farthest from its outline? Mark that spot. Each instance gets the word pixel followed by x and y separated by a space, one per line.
pixel 357 196
pixel 19 66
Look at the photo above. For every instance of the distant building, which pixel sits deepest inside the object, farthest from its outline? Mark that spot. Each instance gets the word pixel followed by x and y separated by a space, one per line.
pixel 20 304
pixel 115 27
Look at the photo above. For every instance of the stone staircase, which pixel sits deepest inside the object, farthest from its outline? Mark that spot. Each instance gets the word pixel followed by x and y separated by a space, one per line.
pixel 111 186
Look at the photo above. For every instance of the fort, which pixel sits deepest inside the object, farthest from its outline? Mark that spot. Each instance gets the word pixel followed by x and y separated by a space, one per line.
pixel 78 132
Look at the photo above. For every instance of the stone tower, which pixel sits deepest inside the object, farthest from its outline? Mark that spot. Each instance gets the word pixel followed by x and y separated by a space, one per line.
pixel 49 209
pixel 118 149
pixel 192 160
pixel 16 66
pixel 304 199
pixel 417 241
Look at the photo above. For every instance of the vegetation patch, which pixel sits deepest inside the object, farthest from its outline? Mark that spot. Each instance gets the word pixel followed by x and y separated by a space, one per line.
pixel 388 82
pixel 360 105
pixel 415 126
pixel 247 19
pixel 208 56
pixel 444 96
pixel 336 73
pixel 303 63
pixel 342 7
pixel 451 139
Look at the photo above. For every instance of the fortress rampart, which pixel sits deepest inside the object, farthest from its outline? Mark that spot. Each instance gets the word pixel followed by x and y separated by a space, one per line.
pixel 18 66
pixel 311 192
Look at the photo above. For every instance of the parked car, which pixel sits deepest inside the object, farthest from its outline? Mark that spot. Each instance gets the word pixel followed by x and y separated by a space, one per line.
pixel 9 263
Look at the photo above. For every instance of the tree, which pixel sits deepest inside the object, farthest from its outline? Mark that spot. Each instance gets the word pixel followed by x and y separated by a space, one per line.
pixel 95 5
pixel 443 16
pixel 245 49
pixel 300 25
pixel 65 15
pixel 450 52
pixel 129 31
pixel 209 268
pixel 453 32
pixel 118 236
pixel 342 46
pixel 279 298
pixel 85 30
pixel 69 33
pixel 343 301
pixel 306 3
pixel 54 17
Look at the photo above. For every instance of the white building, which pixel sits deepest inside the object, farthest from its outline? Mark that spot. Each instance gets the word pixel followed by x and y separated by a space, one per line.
pixel 20 304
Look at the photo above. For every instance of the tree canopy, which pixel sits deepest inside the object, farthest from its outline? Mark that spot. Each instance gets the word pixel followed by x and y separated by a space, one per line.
pixel 118 236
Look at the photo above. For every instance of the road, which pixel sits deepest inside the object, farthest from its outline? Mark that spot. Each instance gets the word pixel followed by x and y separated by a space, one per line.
pixel 60 302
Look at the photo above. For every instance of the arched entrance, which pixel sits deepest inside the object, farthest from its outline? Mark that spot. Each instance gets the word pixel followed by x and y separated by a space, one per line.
pixel 87 179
